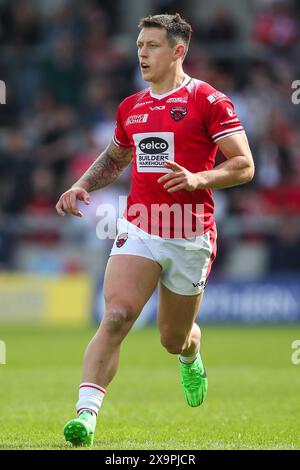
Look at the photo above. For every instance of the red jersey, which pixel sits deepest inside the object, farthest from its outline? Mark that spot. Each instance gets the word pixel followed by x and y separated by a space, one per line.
pixel 183 125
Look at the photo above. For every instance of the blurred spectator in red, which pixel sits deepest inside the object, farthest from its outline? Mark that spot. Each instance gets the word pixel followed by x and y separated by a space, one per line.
pixel 82 160
pixel 283 199
pixel 41 199
pixel 41 203
pixel 276 26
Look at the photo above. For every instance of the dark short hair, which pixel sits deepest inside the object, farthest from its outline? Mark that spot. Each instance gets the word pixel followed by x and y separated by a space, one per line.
pixel 176 27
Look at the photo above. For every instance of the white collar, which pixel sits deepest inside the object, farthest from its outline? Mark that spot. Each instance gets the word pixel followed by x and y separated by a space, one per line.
pixel 159 97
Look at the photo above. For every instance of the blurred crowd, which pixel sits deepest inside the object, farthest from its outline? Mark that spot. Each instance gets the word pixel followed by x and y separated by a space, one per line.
pixel 67 69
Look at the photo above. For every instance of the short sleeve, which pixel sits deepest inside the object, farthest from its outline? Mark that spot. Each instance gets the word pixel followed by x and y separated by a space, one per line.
pixel 120 137
pixel 222 120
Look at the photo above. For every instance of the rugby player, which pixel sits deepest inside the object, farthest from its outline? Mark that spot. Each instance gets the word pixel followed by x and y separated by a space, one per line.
pixel 170 132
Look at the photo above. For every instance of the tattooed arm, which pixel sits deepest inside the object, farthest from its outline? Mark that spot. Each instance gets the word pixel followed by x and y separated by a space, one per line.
pixel 106 168
pixel 104 171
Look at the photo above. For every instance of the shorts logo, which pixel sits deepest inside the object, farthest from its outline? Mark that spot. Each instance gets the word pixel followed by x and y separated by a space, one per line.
pixel 137 119
pixel 199 284
pixel 178 112
pixel 121 240
pixel 230 112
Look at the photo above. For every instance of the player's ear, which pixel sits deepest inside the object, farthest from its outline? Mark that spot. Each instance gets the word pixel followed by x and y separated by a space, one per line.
pixel 179 51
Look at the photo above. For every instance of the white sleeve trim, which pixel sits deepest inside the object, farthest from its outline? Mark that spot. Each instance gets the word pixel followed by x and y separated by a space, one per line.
pixel 116 141
pixel 227 130
pixel 227 135
pixel 119 144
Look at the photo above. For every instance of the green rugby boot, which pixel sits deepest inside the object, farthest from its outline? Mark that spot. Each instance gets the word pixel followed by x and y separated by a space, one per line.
pixel 80 431
pixel 194 382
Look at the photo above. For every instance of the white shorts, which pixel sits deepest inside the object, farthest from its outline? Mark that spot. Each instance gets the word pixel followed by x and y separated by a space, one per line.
pixel 185 263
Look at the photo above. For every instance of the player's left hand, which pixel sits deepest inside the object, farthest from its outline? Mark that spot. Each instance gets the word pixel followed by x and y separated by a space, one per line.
pixel 179 178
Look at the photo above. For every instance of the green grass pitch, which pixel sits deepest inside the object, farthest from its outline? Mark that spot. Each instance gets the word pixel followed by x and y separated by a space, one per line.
pixel 252 402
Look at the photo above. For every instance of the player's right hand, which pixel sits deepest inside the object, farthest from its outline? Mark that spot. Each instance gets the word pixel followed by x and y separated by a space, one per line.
pixel 67 201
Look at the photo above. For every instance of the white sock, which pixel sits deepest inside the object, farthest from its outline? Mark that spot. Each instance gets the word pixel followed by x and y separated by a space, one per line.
pixel 90 398
pixel 188 359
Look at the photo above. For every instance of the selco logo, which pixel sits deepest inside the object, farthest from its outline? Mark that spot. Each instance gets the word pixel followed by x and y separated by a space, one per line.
pixel 153 145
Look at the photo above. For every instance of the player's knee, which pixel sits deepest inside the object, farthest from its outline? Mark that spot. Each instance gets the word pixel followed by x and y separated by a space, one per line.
pixel 174 345
pixel 118 319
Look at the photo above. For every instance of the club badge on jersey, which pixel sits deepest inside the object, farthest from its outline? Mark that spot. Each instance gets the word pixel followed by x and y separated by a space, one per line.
pixel 178 112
